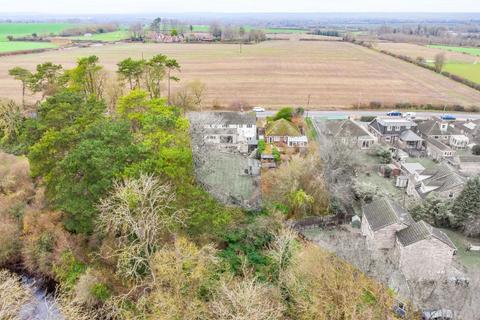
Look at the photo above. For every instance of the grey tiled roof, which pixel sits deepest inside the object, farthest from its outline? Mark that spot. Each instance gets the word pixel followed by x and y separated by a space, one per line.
pixel 432 128
pixel 443 177
pixel 383 212
pixel 344 128
pixel 469 158
pixel 238 117
pixel 409 135
pixel 438 144
pixel 421 231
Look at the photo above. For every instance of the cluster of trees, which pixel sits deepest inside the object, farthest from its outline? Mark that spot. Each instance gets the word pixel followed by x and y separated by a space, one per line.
pixel 463 213
pixel 149 74
pixel 236 33
pixel 94 28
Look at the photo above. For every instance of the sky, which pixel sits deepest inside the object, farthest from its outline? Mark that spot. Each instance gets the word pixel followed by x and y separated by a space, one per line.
pixel 176 6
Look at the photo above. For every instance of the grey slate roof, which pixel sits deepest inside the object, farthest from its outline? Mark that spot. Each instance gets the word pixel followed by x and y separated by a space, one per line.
pixel 432 128
pixel 344 128
pixel 438 144
pixel 383 212
pixel 409 135
pixel 229 118
pixel 422 231
pixel 443 177
pixel 469 158
pixel 396 122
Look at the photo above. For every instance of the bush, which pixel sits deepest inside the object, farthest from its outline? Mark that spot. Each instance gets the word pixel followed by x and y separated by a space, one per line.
pixel 69 270
pixel 284 113
pixel 261 146
pixel 476 150
pixel 276 154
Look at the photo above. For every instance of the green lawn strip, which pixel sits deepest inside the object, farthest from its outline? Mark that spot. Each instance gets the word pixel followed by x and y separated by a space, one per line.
pixel 24 46
pixel 465 70
pixel 27 29
pixel 468 258
pixel 108 36
pixel 471 51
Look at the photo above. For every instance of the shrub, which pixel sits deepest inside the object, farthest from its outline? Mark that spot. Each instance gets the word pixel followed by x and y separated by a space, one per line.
pixel 476 150
pixel 276 154
pixel 101 292
pixel 69 270
pixel 261 146
pixel 284 113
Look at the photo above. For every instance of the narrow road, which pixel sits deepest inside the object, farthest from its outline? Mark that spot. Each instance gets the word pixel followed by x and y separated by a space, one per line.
pixel 344 113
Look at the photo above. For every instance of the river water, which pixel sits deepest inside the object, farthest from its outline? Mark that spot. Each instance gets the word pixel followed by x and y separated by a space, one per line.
pixel 41 306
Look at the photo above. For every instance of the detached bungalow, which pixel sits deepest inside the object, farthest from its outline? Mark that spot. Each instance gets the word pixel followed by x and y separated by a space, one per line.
pixel 350 132
pixel 442 181
pixel 284 133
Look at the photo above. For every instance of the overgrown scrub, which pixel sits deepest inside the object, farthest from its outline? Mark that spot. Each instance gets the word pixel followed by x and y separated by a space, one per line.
pixel 298 186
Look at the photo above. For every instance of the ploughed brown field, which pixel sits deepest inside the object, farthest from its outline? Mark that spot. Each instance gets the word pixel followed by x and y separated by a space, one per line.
pixel 415 50
pixel 276 73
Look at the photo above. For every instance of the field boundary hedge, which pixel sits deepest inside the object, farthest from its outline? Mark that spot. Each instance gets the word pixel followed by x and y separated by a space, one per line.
pixel 408 59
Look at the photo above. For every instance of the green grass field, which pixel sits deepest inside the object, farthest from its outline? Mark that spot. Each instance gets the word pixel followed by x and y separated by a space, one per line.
pixel 26 29
pixel 7 46
pixel 472 51
pixel 466 70
pixel 109 36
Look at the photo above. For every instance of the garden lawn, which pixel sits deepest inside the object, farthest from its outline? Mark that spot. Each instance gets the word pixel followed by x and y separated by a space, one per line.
pixel 467 258
pixel 472 51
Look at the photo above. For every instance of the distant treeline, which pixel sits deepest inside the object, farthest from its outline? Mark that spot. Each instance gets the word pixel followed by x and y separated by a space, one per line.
pixel 93 29
pixel 415 106
pixel 328 33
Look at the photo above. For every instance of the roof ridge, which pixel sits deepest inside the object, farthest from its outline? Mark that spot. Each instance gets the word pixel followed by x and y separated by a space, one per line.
pixel 393 209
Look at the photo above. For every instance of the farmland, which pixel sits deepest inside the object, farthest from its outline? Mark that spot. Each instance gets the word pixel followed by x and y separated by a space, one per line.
pixel 457 62
pixel 276 73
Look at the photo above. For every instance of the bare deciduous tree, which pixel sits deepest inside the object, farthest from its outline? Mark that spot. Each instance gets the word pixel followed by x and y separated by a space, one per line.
pixel 246 300
pixel 140 214
pixel 12 295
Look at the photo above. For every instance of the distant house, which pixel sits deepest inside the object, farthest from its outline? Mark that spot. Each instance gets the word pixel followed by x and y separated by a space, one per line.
pixel 438 150
pixel 283 133
pixel 381 220
pixel 444 131
pixel 389 129
pixel 424 251
pixel 470 128
pixel 230 131
pixel 442 180
pixel 350 132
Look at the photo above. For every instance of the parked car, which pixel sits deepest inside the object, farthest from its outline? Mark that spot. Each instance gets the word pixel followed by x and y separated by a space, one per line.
pixel 394 114
pixel 439 314
pixel 410 115
pixel 448 117
pixel 258 109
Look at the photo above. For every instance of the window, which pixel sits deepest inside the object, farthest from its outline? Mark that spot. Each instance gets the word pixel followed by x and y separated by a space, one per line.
pixel 450 195
pixel 397 128
pixel 249 126
pixel 389 128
